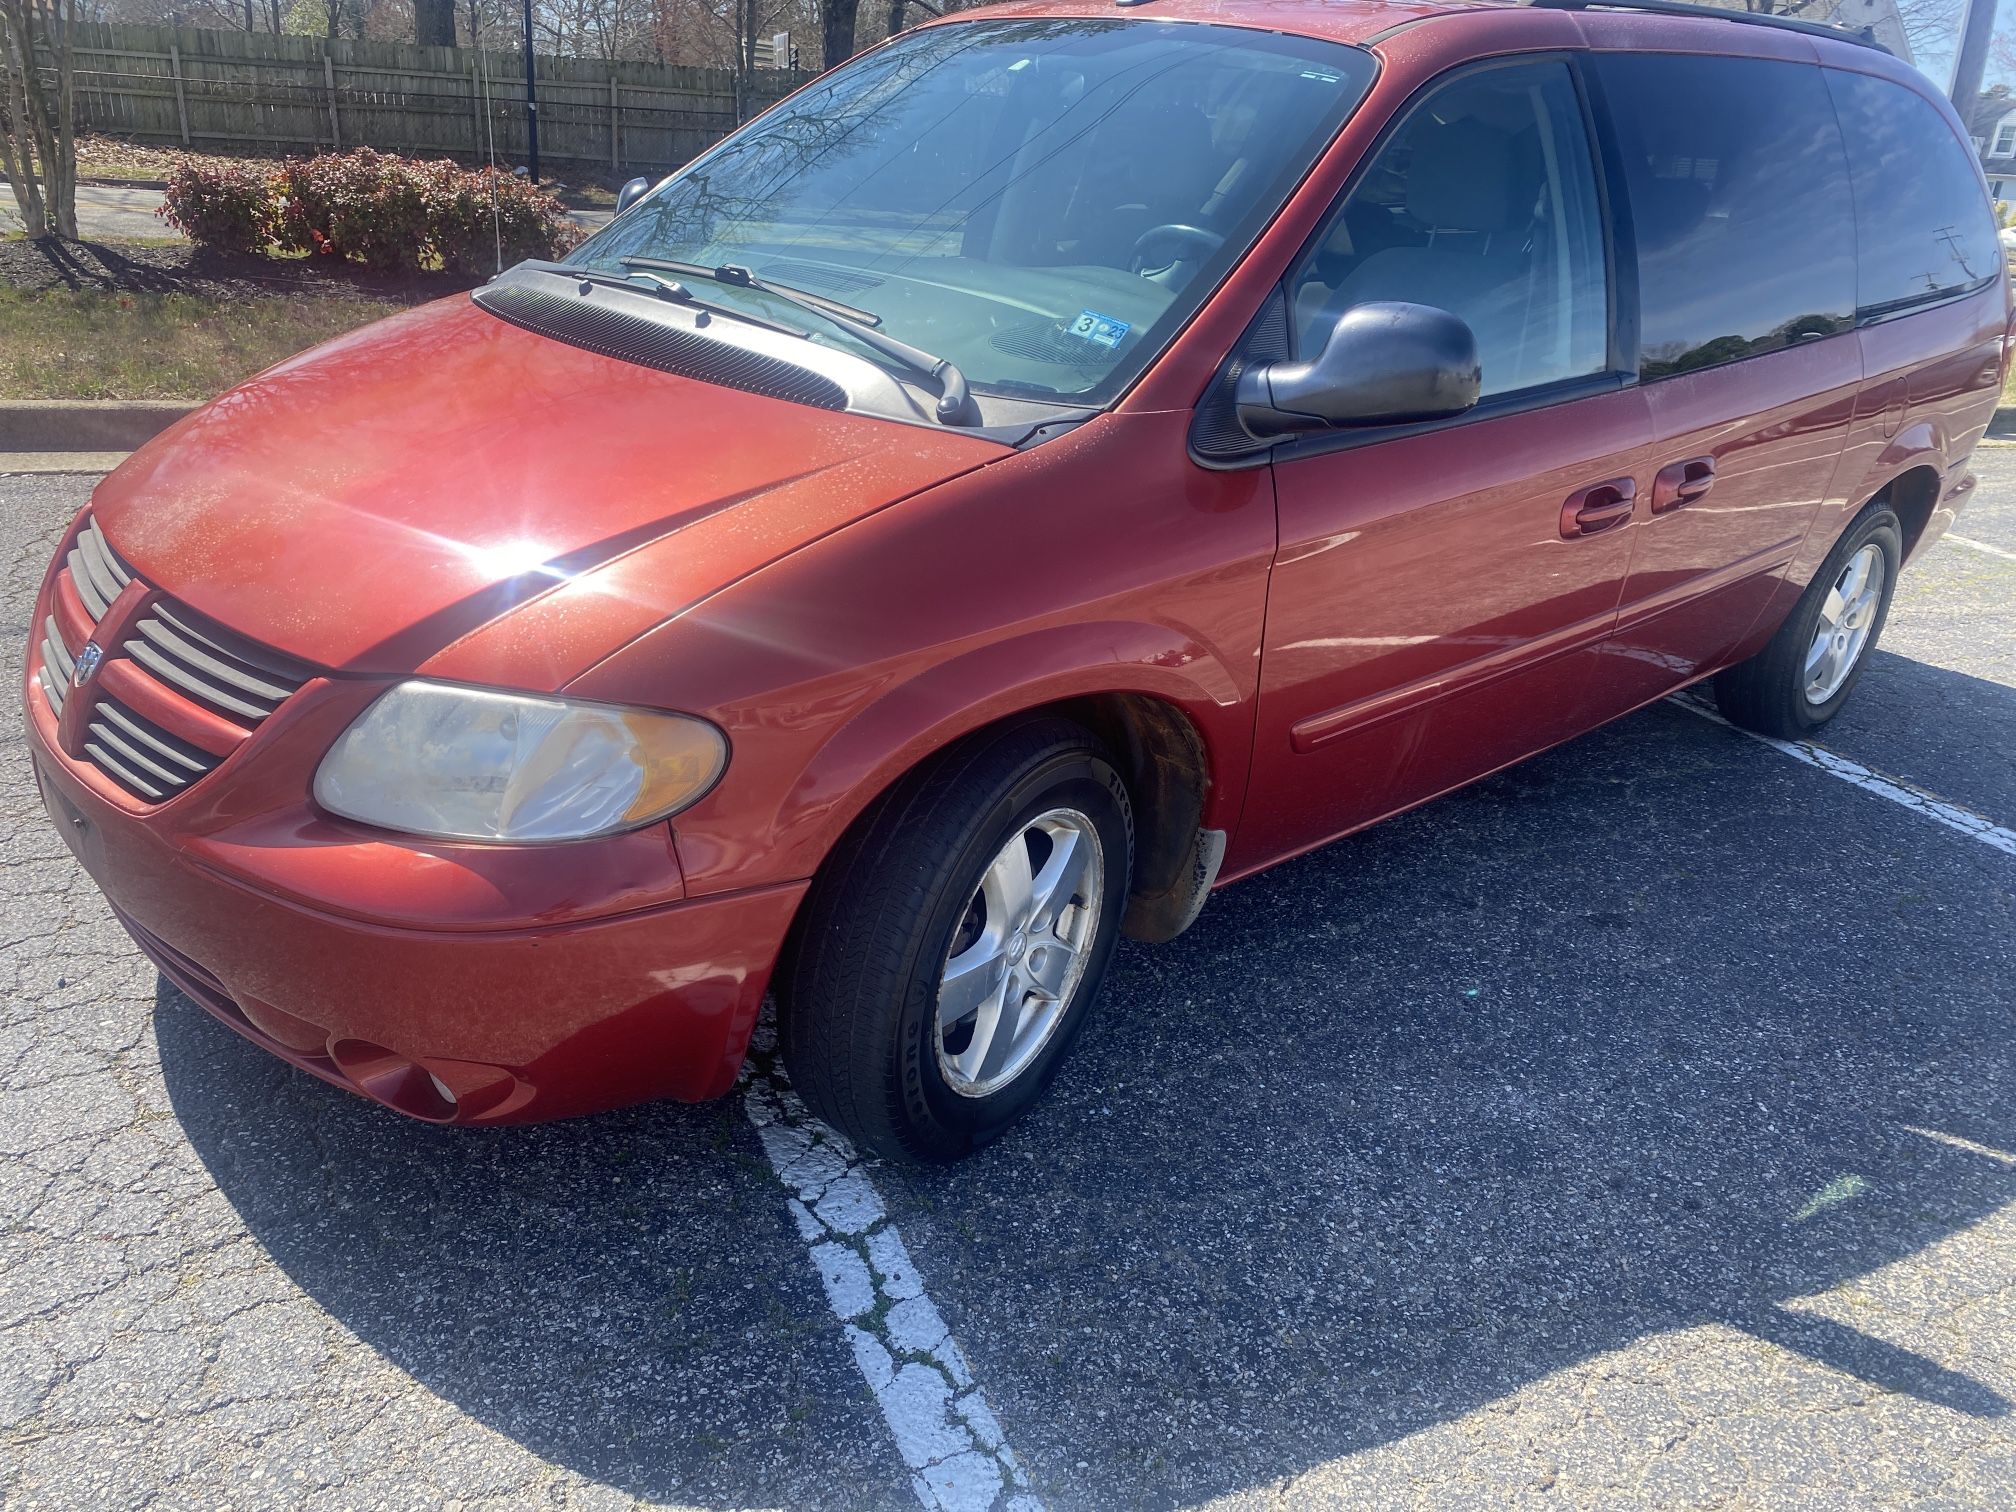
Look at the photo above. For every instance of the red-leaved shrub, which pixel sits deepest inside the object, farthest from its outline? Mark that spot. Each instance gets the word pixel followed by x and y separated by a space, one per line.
pixel 229 206
pixel 478 217
pixel 387 212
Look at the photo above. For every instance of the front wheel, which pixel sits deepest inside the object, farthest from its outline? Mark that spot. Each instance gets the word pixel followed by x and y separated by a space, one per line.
pixel 1803 677
pixel 951 948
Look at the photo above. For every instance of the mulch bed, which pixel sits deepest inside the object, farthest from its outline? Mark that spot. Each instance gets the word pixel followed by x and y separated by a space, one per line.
pixel 128 269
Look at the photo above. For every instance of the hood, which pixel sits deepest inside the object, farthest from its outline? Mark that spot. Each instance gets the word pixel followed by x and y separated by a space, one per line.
pixel 371 502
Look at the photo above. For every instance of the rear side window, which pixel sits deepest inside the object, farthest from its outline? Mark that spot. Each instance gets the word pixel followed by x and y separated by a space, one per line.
pixel 1738 185
pixel 1923 231
pixel 1482 203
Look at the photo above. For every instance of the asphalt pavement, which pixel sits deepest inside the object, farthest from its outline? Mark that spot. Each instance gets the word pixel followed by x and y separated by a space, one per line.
pixel 1638 1126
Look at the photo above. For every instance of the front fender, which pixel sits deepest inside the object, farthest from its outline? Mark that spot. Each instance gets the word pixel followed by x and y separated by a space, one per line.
pixel 910 721
pixel 1102 563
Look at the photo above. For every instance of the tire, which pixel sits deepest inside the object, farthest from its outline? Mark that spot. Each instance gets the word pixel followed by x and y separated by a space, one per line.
pixel 1782 691
pixel 927 880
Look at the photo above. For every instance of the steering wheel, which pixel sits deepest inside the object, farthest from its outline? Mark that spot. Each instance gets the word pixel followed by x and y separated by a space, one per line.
pixel 1186 243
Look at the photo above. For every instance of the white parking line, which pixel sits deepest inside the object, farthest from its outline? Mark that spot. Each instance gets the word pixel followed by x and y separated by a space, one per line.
pixel 1986 1152
pixel 1994 551
pixel 958 1457
pixel 1954 817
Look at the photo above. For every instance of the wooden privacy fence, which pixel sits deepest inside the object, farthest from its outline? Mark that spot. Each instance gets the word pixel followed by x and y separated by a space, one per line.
pixel 234 90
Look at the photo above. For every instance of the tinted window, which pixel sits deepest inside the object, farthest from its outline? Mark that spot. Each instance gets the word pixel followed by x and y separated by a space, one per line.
pixel 1483 203
pixel 1739 198
pixel 1042 201
pixel 1923 230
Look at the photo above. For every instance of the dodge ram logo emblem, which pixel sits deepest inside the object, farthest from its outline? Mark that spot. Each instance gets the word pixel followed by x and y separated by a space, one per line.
pixel 87 663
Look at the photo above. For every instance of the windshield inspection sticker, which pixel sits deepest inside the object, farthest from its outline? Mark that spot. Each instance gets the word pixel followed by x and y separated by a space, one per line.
pixel 1103 329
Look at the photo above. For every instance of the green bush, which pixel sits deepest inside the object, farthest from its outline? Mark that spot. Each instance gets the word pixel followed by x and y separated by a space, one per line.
pixel 390 213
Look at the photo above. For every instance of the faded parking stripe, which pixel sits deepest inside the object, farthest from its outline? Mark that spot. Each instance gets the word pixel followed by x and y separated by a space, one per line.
pixel 1974 545
pixel 1938 810
pixel 958 1457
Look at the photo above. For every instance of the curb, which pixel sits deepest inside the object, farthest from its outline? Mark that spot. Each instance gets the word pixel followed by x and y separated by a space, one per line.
pixel 65 425
pixel 2003 426
pixel 58 464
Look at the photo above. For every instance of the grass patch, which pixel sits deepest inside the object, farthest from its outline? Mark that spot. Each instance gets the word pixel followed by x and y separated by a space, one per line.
pixel 65 344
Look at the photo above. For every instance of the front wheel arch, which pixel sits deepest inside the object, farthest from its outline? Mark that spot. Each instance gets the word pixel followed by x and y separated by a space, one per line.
pixel 1167 768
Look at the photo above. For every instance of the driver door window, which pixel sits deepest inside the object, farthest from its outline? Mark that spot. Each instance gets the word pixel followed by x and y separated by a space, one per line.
pixel 1484 204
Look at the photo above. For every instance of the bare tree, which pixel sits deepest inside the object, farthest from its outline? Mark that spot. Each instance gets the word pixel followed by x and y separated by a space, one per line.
pixel 1930 26
pixel 837 19
pixel 899 17
pixel 434 23
pixel 36 145
pixel 2002 55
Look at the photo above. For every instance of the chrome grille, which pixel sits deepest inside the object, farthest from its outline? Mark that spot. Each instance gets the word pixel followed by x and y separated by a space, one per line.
pixel 57 664
pixel 141 755
pixel 96 571
pixel 187 692
pixel 234 679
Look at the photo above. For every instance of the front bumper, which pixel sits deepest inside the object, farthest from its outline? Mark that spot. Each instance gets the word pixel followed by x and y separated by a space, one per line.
pixel 456 983
pixel 489 1027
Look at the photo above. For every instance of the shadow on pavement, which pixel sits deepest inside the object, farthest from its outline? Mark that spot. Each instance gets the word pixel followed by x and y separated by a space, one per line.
pixel 1941 730
pixel 624 1296
pixel 1631 1038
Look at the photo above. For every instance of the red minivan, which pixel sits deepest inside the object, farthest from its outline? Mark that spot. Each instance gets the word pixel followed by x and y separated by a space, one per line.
pixel 1072 457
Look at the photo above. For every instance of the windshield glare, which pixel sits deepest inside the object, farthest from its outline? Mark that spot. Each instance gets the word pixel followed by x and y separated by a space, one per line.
pixel 1044 202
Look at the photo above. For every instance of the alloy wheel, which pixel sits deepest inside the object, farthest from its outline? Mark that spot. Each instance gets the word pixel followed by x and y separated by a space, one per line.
pixel 1020 951
pixel 1847 619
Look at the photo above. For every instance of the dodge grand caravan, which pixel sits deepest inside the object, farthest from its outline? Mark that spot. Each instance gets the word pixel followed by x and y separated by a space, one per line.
pixel 1068 459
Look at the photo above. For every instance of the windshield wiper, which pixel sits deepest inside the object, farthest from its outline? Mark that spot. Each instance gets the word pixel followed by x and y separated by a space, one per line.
pixel 672 289
pixel 954 399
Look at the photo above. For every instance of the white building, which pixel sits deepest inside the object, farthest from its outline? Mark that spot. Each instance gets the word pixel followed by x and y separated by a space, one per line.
pixel 1995 140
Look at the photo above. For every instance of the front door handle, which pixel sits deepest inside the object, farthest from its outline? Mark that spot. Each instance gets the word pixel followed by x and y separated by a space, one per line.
pixel 1682 483
pixel 1599 507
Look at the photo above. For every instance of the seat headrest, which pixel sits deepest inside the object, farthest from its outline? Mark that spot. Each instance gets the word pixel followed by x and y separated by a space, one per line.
pixel 1462 178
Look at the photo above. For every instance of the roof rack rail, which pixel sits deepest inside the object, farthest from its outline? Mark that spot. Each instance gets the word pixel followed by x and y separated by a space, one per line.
pixel 1863 36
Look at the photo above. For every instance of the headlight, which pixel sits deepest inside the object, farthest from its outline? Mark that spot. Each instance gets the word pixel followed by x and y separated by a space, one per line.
pixel 476 764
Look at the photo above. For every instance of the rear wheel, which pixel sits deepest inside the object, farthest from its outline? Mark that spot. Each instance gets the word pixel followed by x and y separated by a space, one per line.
pixel 1803 677
pixel 951 948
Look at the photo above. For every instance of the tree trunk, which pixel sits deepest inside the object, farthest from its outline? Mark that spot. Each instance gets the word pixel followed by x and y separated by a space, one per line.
pixel 898 9
pixel 434 23
pixel 17 151
pixel 836 30
pixel 745 59
pixel 37 146
pixel 62 168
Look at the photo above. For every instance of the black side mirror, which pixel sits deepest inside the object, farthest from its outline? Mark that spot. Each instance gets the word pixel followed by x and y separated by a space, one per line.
pixel 1386 362
pixel 631 192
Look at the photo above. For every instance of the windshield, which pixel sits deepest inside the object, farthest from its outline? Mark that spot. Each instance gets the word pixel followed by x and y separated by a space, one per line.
pixel 1042 202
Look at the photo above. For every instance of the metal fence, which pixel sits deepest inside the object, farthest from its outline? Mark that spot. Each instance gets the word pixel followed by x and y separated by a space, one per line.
pixel 235 90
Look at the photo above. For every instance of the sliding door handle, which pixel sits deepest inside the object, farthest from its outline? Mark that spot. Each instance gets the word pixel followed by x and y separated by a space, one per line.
pixel 1682 483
